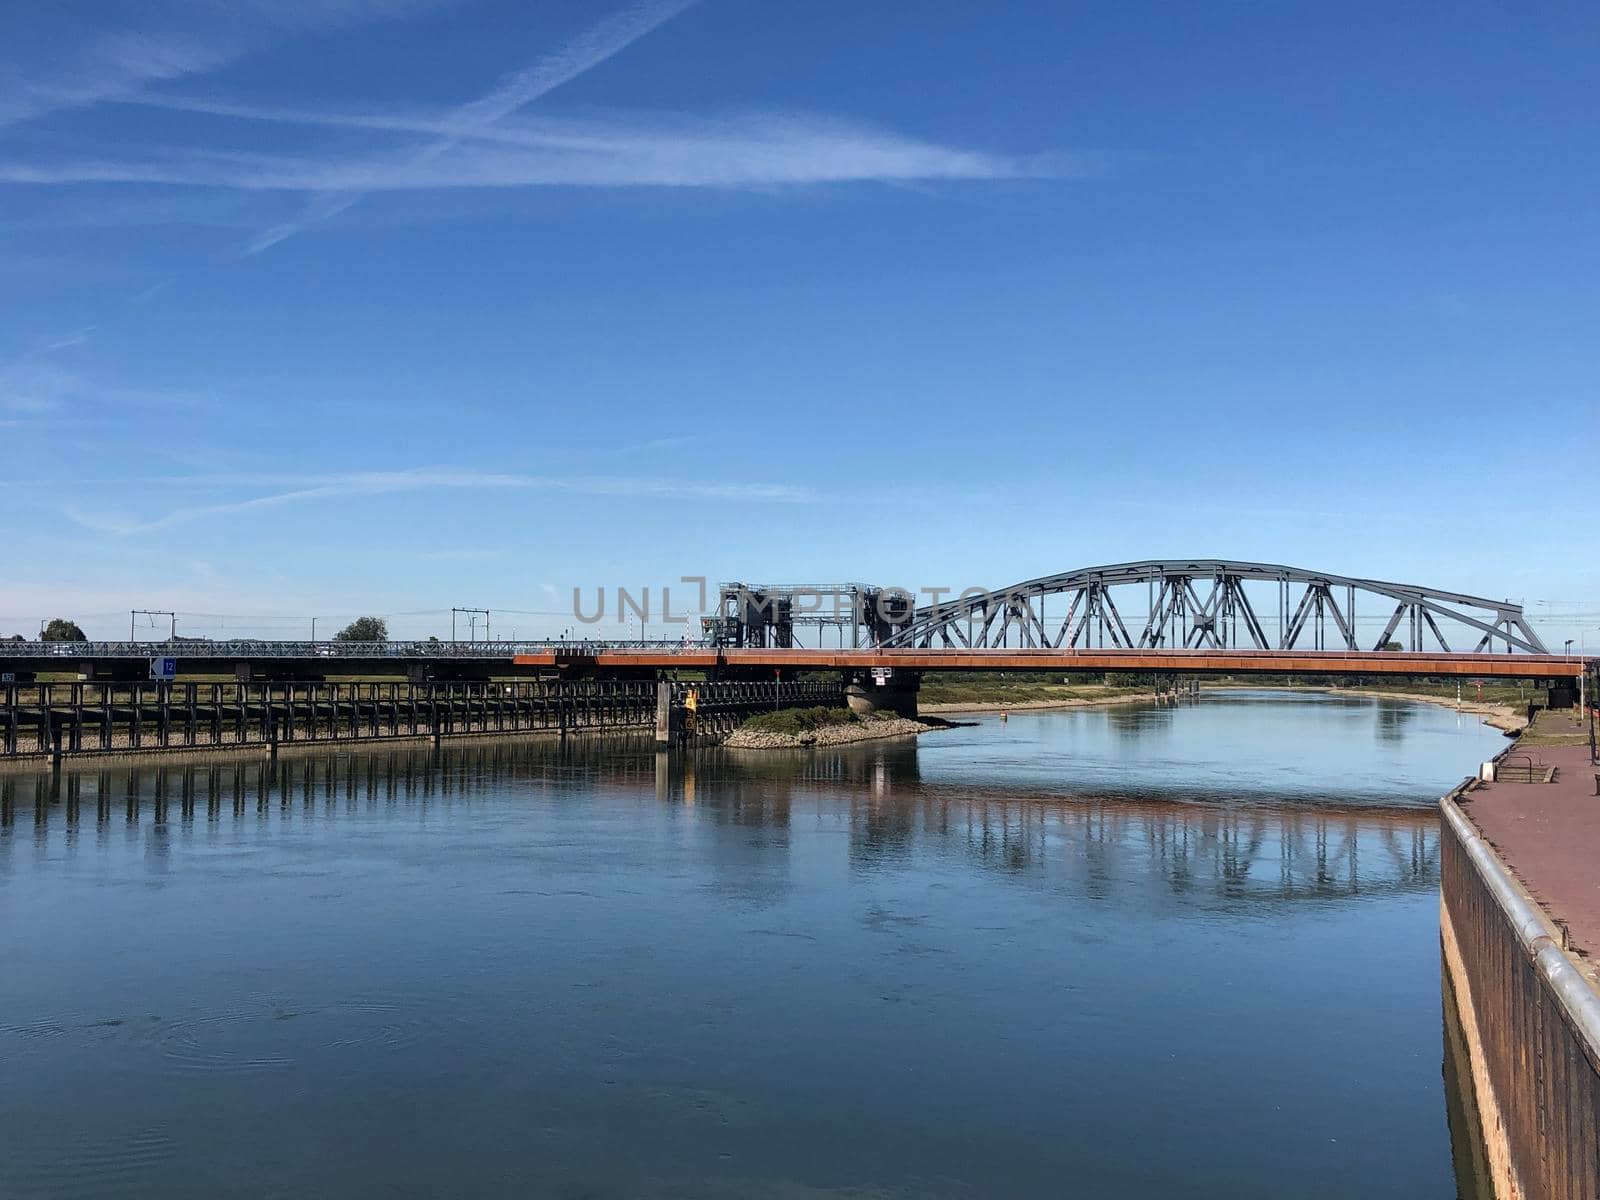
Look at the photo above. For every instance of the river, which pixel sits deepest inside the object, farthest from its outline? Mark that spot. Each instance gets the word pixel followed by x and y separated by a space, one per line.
pixel 1136 952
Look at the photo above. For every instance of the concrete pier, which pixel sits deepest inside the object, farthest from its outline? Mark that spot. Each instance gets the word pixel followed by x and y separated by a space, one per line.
pixel 894 693
pixel 1519 927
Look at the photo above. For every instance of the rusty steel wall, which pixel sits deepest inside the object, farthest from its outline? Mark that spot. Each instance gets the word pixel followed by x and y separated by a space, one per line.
pixel 1536 1056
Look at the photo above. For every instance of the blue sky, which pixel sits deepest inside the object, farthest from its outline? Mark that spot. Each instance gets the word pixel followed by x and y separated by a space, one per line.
pixel 389 305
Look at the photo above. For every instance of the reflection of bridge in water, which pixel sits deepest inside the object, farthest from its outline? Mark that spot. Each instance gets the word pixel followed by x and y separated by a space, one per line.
pixel 1200 855
pixel 1257 851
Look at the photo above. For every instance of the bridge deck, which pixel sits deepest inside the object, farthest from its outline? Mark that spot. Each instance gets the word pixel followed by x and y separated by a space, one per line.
pixel 1232 662
pixel 487 659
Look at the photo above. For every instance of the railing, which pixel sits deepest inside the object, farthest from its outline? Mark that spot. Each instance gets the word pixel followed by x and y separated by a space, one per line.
pixel 1522 768
pixel 263 648
pixel 1536 1017
pixel 243 648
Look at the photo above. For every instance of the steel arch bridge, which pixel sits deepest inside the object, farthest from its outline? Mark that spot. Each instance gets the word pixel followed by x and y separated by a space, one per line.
pixel 1207 604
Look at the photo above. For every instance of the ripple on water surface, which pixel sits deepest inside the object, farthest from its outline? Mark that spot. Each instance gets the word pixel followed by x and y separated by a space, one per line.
pixel 92 1162
pixel 946 967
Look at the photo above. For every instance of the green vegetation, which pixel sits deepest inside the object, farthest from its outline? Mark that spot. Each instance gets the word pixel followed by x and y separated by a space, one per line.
pixel 364 629
pixel 1000 687
pixel 1563 727
pixel 799 720
pixel 62 630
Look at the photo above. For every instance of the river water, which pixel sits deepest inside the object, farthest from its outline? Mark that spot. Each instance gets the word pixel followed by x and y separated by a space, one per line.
pixel 1133 952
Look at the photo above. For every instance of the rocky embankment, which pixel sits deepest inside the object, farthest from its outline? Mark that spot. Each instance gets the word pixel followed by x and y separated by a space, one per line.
pixel 829 735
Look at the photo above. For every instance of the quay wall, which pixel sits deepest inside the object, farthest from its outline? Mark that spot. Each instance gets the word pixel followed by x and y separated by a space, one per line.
pixel 1531 1023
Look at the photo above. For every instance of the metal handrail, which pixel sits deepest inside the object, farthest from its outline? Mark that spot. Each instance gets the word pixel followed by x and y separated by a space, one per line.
pixel 1530 768
pixel 267 648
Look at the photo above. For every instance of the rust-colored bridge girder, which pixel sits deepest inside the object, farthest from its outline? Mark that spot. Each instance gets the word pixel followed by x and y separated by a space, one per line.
pixel 1224 662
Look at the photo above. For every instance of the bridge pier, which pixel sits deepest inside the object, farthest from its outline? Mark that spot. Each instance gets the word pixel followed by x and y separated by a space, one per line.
pixel 896 693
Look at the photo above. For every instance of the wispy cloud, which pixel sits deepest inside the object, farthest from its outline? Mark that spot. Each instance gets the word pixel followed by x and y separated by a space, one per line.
pixel 29 388
pixel 585 52
pixel 49 66
pixel 336 156
pixel 67 341
pixel 108 67
pixel 311 489
pixel 753 150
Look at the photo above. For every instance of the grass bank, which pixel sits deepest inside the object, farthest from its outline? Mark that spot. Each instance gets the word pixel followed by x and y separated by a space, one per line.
pixel 997 689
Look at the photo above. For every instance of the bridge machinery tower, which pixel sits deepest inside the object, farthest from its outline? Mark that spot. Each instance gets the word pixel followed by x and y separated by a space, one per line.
pixel 860 616
pixel 771 615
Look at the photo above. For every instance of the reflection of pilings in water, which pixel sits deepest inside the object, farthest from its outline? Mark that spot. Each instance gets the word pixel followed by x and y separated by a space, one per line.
pixel 1393 717
pixel 330 783
pixel 862 765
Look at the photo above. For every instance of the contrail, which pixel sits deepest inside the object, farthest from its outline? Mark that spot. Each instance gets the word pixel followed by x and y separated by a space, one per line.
pixel 585 52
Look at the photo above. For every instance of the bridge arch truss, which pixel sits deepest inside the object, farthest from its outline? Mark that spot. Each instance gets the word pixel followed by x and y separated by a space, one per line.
pixel 1216 604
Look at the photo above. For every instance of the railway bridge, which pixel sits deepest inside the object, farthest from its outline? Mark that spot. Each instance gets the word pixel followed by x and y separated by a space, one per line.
pixel 1155 617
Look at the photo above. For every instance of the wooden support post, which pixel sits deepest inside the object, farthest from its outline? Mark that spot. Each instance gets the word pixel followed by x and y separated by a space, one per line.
pixel 666 713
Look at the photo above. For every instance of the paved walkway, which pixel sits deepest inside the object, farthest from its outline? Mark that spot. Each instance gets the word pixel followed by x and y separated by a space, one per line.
pixel 1549 833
